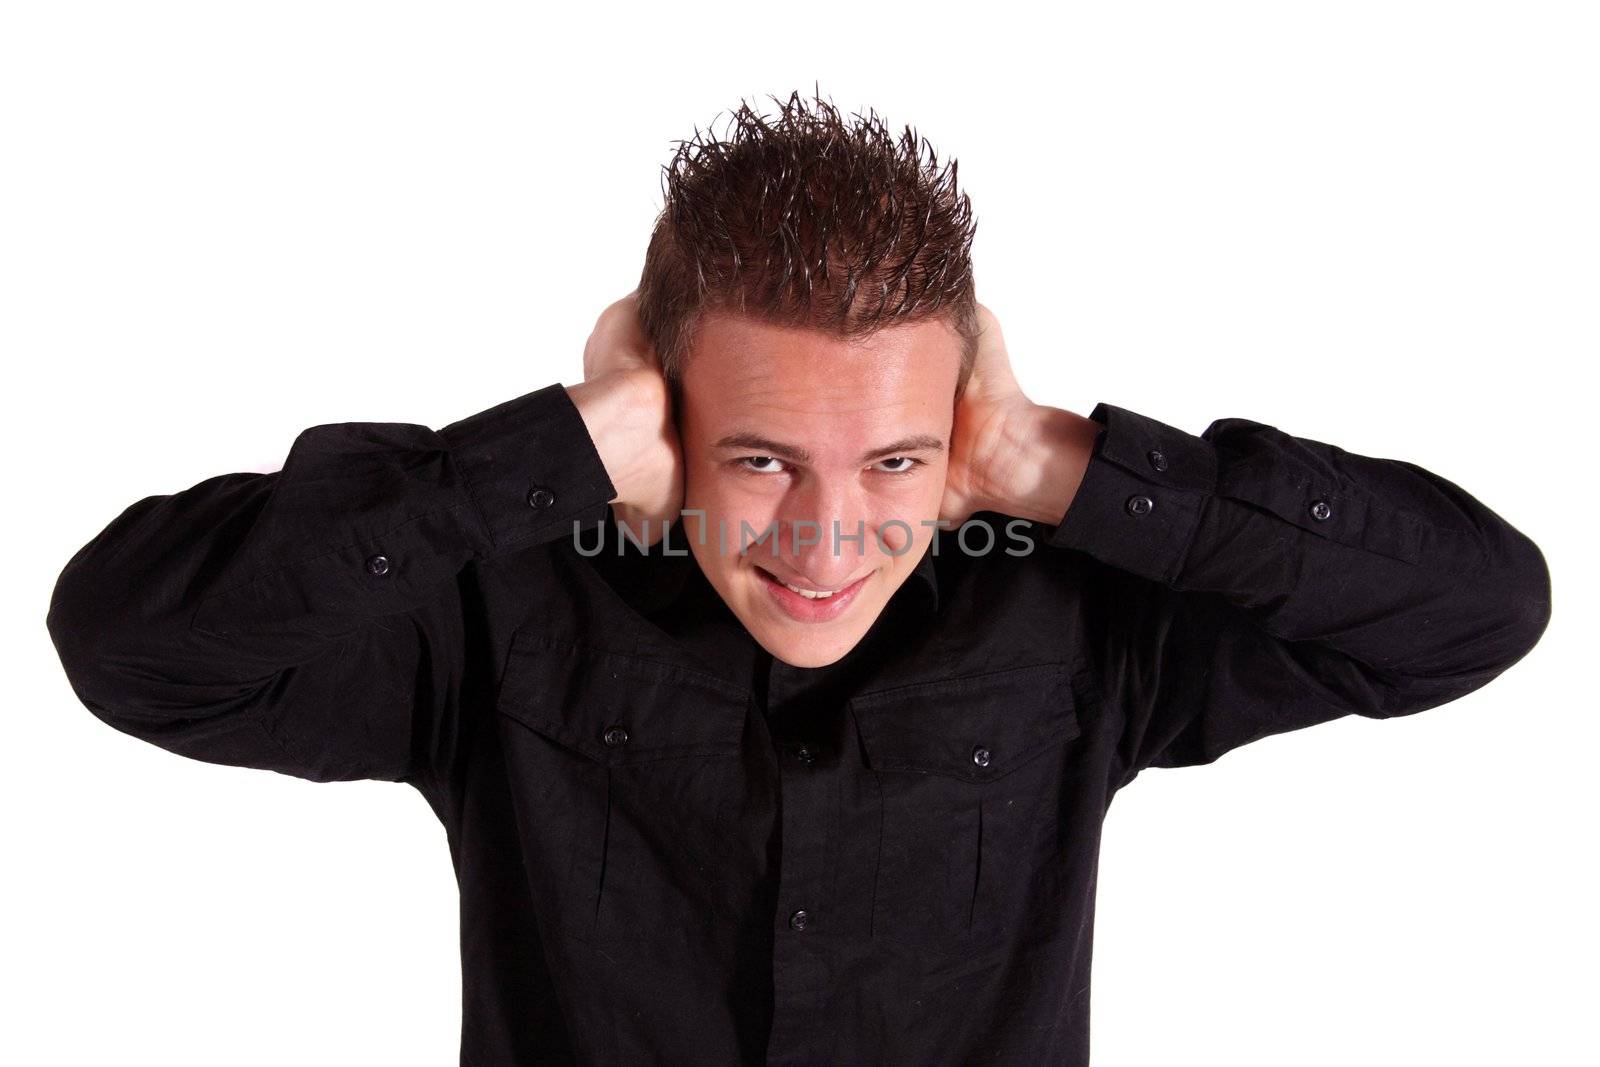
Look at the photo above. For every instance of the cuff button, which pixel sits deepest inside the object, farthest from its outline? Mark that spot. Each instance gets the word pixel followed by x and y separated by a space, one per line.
pixel 539 497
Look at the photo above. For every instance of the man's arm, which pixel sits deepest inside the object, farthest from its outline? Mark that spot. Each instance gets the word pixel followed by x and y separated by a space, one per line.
pixel 310 620
pixel 1260 582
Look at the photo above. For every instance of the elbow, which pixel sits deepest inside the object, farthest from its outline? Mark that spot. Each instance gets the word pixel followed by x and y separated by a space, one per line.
pixel 1517 611
pixel 1516 605
pixel 1487 629
pixel 114 659
pixel 1531 597
pixel 78 634
pixel 1507 612
pixel 68 622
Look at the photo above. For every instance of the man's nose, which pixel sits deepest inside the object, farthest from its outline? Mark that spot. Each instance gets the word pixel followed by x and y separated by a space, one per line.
pixel 825 533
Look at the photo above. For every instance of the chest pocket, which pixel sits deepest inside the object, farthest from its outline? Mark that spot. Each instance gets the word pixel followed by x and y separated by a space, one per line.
pixel 970 772
pixel 622 771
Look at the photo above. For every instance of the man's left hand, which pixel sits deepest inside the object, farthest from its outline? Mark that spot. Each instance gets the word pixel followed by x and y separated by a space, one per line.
pixel 1008 454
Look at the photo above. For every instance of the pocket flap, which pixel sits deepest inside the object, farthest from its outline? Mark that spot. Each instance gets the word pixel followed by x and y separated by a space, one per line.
pixel 618 708
pixel 978 728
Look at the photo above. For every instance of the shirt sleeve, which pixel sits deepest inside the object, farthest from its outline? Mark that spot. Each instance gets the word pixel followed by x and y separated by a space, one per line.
pixel 311 620
pixel 1258 583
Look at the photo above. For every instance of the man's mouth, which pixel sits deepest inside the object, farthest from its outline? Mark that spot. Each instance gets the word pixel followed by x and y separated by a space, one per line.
pixel 809 594
pixel 805 604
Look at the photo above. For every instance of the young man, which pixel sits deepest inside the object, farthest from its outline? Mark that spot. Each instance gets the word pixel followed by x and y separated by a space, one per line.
pixel 807 780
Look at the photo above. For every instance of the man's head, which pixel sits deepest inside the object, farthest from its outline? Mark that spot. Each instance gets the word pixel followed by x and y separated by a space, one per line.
pixel 808 290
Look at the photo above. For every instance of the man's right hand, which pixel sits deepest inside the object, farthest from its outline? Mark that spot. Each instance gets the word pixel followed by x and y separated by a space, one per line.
pixel 627 408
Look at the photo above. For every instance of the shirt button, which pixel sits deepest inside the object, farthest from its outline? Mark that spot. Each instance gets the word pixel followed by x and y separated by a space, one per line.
pixel 1321 511
pixel 378 565
pixel 1140 505
pixel 799 919
pixel 1158 459
pixel 805 754
pixel 540 497
pixel 614 736
pixel 980 756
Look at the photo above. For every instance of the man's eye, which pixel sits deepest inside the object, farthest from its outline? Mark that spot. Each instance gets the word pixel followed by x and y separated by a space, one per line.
pixel 911 463
pixel 760 464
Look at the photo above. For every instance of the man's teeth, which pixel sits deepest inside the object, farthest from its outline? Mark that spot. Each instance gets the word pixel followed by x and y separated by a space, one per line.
pixel 810 594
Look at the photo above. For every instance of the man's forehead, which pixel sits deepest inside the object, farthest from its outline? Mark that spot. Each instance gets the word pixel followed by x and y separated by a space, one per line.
pixel 743 364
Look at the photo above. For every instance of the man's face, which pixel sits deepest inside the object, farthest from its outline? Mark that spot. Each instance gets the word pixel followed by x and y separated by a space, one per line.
pixel 788 431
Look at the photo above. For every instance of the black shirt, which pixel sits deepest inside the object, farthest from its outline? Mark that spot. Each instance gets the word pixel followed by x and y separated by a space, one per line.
pixel 672 848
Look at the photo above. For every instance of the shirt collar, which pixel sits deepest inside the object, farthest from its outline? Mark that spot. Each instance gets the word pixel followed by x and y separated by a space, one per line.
pixel 926 575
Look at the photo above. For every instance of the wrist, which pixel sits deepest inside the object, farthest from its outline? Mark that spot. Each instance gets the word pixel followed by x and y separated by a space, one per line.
pixel 1037 462
pixel 617 413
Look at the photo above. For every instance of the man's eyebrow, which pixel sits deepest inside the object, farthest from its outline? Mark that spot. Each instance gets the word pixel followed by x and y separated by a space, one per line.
pixel 920 442
pixel 764 445
pixel 917 442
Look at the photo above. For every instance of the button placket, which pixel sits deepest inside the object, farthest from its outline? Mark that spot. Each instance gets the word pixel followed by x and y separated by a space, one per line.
pixel 808 810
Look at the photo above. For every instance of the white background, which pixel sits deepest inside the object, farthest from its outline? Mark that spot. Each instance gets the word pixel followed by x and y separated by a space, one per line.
pixel 1372 224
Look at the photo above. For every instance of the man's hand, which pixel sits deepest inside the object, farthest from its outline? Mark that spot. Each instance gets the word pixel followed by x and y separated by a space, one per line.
pixel 627 408
pixel 1008 454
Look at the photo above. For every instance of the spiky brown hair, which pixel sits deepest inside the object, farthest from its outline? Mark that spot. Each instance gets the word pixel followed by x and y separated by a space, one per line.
pixel 807 219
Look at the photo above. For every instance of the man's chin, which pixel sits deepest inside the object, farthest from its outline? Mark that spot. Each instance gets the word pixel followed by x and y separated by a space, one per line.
pixel 803 645
pixel 795 642
pixel 807 655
